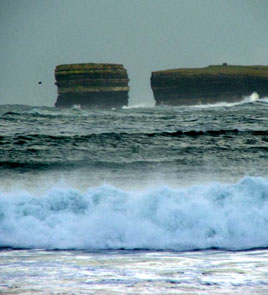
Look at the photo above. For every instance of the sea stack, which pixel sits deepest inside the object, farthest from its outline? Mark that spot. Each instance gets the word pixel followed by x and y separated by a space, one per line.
pixel 92 85
pixel 212 84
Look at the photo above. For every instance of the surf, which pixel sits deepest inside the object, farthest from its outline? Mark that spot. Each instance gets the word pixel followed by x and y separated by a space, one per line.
pixel 254 97
pixel 215 215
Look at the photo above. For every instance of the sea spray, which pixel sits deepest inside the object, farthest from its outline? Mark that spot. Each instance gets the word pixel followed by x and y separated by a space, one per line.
pixel 254 97
pixel 224 216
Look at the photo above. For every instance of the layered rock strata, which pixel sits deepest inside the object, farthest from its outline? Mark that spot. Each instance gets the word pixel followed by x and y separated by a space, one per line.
pixel 208 85
pixel 92 85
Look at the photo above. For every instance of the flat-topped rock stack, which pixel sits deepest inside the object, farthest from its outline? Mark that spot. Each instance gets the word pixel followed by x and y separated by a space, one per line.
pixel 223 83
pixel 92 85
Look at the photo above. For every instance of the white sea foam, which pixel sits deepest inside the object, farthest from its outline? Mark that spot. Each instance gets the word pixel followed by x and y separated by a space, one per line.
pixel 137 106
pixel 254 97
pixel 263 100
pixel 230 216
pixel 76 107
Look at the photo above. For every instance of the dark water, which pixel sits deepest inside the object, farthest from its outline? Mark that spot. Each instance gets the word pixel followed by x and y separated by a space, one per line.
pixel 183 144
pixel 127 184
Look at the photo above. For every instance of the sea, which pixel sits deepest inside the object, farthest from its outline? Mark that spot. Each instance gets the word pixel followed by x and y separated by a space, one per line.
pixel 138 200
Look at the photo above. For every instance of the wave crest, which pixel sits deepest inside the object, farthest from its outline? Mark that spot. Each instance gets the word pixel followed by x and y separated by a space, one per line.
pixel 227 216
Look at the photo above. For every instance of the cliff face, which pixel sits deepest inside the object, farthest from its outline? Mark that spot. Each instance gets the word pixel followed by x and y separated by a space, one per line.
pixel 208 85
pixel 92 85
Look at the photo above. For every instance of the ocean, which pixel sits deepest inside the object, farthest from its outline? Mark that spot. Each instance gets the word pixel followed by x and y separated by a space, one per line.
pixel 138 200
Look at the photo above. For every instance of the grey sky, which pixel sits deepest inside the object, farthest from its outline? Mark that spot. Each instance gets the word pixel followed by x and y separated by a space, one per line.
pixel 144 35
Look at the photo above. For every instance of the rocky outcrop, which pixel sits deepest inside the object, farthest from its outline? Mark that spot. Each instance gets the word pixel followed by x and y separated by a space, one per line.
pixel 208 85
pixel 92 85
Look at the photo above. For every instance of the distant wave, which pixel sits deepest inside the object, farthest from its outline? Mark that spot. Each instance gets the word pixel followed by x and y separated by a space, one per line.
pixel 254 97
pixel 65 164
pixel 34 113
pixel 30 152
pixel 223 216
pixel 211 132
pixel 22 139
pixel 137 106
pixel 263 100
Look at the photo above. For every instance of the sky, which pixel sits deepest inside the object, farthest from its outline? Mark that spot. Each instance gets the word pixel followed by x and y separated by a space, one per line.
pixel 143 35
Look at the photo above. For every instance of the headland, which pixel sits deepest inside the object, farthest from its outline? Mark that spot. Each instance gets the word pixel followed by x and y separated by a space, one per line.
pixel 212 84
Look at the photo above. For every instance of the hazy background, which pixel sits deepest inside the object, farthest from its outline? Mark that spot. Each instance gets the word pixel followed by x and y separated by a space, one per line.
pixel 144 35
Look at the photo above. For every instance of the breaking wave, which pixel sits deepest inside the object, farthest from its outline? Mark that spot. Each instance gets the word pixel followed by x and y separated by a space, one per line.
pixel 223 216
pixel 254 97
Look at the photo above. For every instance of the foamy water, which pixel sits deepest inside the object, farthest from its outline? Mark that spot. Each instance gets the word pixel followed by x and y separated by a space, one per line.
pixel 227 216
pixel 254 97
pixel 133 272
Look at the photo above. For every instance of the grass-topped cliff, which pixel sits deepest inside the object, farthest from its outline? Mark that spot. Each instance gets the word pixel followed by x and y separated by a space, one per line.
pixel 208 85
pixel 257 71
